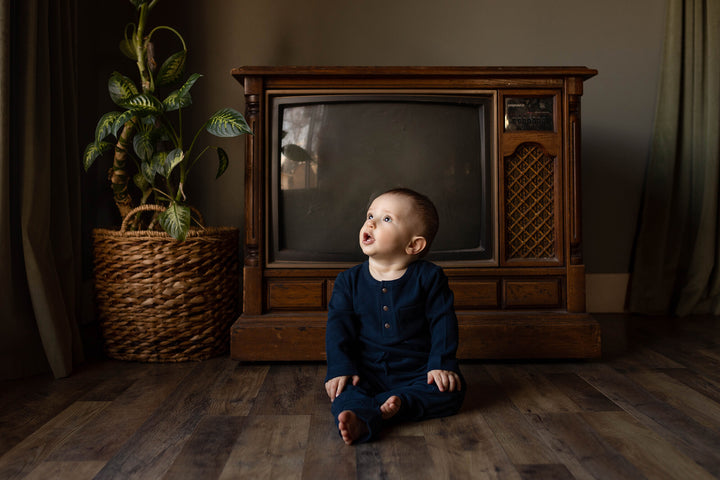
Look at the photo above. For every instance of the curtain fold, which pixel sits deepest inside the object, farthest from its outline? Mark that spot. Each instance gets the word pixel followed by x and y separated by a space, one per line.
pixel 676 262
pixel 40 196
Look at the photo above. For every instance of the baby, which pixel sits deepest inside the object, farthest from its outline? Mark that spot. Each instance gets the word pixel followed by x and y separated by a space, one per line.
pixel 392 333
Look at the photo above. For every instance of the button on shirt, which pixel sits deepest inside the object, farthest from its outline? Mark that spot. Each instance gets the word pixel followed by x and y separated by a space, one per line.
pixel 403 324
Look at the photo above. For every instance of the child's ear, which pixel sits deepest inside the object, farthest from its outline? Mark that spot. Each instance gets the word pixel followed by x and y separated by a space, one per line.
pixel 416 245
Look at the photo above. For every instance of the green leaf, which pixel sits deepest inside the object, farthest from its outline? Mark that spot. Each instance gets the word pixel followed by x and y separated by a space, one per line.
pixel 121 120
pixel 144 144
pixel 93 151
pixel 228 123
pixel 180 98
pixel 105 126
pixel 144 104
pixel 223 160
pixel 140 181
pixel 172 69
pixel 176 220
pixel 157 164
pixel 174 157
pixel 121 88
pixel 128 49
pixel 147 170
pixel 176 101
pixel 185 89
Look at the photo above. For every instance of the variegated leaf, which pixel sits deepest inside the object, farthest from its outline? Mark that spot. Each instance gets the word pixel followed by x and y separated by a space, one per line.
pixel 105 126
pixel 172 69
pixel 93 151
pixel 121 120
pixel 144 144
pixel 158 163
pixel 144 104
pixel 181 98
pixel 228 122
pixel 176 101
pixel 128 48
pixel 121 88
pixel 176 220
pixel 139 179
pixel 147 170
pixel 223 162
pixel 174 157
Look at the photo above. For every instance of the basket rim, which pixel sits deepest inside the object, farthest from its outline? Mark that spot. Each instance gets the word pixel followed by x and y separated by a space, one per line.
pixel 194 232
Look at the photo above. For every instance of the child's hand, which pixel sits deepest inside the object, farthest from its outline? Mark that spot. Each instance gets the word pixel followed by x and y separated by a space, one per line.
pixel 336 385
pixel 445 380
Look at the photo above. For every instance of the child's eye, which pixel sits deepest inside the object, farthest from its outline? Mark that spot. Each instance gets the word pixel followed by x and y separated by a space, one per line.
pixel 370 216
pixel 387 219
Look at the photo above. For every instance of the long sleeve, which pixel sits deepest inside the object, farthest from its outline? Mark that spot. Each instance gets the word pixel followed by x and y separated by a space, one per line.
pixel 341 331
pixel 442 320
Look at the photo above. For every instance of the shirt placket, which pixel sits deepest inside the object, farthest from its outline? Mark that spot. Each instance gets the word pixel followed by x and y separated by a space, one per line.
pixel 387 319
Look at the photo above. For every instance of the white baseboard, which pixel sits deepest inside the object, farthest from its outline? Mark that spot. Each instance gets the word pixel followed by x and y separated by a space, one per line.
pixel 605 292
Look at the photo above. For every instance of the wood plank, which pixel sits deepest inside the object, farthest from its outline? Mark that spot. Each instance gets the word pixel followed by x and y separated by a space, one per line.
pixel 687 435
pixel 397 458
pixel 155 445
pixel 238 394
pixel 531 392
pixel 207 450
pixel 544 472
pixel 695 381
pixel 584 395
pixel 290 390
pixel 642 358
pixel 125 414
pixel 25 456
pixel 65 470
pixel 654 456
pixel 695 405
pixel 577 446
pixel 465 446
pixel 515 434
pixel 26 405
pixel 269 446
pixel 328 456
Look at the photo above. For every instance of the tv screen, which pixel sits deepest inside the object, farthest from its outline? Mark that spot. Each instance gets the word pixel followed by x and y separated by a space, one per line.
pixel 330 155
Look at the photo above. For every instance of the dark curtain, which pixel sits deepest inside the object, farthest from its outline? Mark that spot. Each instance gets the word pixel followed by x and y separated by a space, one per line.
pixel 676 265
pixel 40 174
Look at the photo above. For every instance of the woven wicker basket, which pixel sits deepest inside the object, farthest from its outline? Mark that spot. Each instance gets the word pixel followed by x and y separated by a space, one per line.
pixel 160 300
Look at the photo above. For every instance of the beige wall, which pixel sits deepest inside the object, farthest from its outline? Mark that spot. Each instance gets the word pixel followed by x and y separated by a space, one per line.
pixel 621 39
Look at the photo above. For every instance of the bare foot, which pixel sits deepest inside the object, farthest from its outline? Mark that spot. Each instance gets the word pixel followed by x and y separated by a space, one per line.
pixel 390 407
pixel 351 427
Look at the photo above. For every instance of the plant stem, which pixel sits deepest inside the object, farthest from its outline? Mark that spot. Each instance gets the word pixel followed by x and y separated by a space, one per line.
pixel 118 175
pixel 141 50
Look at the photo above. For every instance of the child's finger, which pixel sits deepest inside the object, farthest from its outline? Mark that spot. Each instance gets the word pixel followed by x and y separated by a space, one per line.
pixel 330 389
pixel 441 381
pixel 340 386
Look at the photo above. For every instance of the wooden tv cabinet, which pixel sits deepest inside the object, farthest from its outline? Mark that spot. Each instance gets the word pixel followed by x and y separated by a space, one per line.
pixel 529 304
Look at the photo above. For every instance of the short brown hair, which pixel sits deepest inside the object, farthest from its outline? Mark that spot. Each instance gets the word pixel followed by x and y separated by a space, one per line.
pixel 427 212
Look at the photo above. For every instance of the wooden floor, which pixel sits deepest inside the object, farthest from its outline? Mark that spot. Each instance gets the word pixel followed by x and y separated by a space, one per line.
pixel 649 409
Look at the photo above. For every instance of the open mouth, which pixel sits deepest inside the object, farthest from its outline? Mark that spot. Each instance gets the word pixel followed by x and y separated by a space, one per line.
pixel 367 239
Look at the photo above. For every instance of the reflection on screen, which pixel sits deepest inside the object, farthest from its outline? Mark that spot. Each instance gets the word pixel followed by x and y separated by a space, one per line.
pixel 334 157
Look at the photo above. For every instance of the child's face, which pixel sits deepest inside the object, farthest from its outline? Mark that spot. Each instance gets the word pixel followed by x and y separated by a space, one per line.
pixel 390 227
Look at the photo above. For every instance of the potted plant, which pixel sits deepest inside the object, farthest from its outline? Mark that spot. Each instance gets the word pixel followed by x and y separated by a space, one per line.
pixel 166 286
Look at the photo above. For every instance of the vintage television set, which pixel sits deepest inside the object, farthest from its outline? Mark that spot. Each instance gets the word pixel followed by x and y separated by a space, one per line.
pixel 497 150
